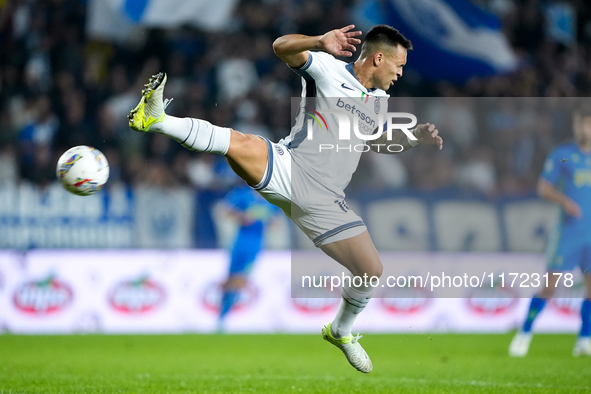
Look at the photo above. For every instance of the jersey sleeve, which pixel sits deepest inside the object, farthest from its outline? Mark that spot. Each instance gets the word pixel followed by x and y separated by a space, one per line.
pixel 551 171
pixel 317 67
pixel 237 200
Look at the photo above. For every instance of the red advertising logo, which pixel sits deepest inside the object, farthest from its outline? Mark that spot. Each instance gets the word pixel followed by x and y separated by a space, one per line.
pixel 138 296
pixel 314 300
pixel 407 300
pixel 42 297
pixel 405 306
pixel 567 300
pixel 567 306
pixel 495 300
pixel 491 306
pixel 315 305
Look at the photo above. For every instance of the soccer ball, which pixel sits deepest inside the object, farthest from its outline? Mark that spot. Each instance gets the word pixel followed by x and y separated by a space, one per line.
pixel 82 170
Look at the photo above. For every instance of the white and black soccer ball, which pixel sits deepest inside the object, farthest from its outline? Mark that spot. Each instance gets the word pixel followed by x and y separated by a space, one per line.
pixel 82 170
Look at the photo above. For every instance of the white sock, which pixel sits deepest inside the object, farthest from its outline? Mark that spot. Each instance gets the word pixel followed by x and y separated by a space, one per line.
pixel 195 134
pixel 353 302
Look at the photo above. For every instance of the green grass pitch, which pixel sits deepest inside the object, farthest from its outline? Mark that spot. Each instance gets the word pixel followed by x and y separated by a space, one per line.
pixel 286 364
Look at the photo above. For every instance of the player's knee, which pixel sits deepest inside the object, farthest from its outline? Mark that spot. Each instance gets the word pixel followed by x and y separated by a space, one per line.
pixel 374 270
pixel 377 270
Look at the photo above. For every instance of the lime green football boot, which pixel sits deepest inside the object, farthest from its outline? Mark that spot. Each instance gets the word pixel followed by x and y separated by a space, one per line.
pixel 151 107
pixel 350 346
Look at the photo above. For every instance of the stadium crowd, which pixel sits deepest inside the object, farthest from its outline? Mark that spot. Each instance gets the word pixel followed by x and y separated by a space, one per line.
pixel 59 89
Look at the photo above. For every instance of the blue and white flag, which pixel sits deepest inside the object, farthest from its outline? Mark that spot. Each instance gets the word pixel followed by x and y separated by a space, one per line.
pixel 453 39
pixel 115 19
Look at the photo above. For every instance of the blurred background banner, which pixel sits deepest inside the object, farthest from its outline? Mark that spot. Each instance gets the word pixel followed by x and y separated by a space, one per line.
pixel 452 39
pixel 113 19
pixel 144 217
pixel 174 291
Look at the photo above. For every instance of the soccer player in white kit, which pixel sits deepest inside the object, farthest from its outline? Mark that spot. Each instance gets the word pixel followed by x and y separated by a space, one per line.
pixel 307 184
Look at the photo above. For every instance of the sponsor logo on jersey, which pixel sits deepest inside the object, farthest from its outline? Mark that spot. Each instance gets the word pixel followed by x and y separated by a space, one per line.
pixel 346 87
pixel 137 296
pixel 211 297
pixel 343 205
pixel 42 297
pixel 582 177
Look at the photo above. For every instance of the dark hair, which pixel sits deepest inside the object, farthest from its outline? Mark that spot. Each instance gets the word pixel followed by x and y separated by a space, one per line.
pixel 383 35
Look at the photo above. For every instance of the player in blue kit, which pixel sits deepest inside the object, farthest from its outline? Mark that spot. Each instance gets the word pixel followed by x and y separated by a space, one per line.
pixel 566 180
pixel 308 185
pixel 253 214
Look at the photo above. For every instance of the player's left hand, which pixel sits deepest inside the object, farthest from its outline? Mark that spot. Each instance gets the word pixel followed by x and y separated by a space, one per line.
pixel 427 134
pixel 339 42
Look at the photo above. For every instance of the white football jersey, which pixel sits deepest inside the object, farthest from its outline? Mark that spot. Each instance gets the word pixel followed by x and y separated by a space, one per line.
pixel 317 143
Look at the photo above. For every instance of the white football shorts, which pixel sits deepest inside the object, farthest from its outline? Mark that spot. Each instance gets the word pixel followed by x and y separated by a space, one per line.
pixel 321 214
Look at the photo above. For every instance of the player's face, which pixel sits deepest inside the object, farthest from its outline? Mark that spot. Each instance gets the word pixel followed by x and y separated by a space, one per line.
pixel 583 130
pixel 390 68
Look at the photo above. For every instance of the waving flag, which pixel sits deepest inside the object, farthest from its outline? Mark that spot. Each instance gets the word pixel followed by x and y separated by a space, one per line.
pixel 452 39
pixel 115 19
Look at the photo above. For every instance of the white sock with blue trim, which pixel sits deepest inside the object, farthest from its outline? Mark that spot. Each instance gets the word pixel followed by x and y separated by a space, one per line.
pixel 195 134
pixel 353 302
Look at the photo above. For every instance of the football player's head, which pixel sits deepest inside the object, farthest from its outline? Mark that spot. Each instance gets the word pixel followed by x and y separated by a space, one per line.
pixel 385 48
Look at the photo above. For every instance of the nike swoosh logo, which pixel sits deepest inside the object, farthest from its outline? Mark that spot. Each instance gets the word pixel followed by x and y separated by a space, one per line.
pixel 346 87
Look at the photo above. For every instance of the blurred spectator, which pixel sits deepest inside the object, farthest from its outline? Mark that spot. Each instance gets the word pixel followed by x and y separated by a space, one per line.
pixel 156 174
pixel 250 119
pixel 455 117
pixel 388 172
pixel 8 164
pixel 236 77
pixel 477 171
pixel 37 138
pixel 200 171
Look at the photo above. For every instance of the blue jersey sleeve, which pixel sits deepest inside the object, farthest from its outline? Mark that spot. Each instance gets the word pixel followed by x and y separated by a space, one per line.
pixel 552 169
pixel 238 200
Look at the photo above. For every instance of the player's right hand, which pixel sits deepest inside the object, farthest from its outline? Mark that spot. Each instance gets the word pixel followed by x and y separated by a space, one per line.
pixel 571 208
pixel 339 42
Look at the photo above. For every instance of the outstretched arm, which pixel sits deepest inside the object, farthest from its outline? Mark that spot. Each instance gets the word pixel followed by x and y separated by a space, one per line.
pixel 293 48
pixel 426 134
